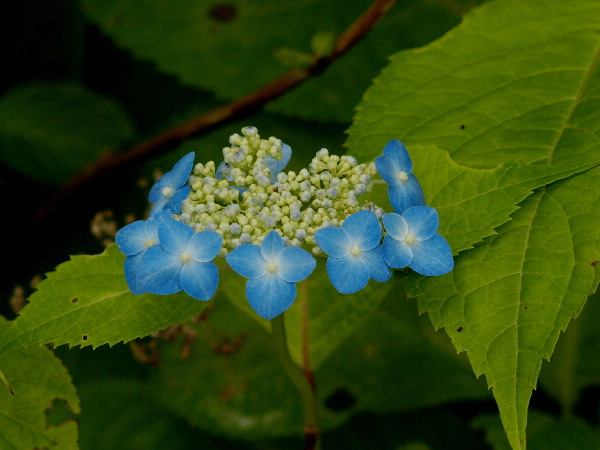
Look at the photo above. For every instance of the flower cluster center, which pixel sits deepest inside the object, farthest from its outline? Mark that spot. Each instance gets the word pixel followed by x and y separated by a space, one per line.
pixel 272 268
pixel 168 191
pixel 356 251
pixel 186 257
pixel 410 239
pixel 402 176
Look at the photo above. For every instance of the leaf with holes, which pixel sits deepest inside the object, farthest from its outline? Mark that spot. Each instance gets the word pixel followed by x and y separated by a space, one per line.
pixel 38 379
pixel 516 81
pixel 86 301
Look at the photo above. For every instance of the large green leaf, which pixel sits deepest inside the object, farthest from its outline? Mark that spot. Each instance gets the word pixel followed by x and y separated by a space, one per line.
pixel 517 80
pixel 508 299
pixel 38 379
pixel 86 301
pixel 52 131
pixel 390 363
pixel 231 47
pixel 396 364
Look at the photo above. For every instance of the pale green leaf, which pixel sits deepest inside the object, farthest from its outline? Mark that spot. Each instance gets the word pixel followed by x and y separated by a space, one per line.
pixel 51 131
pixel 230 47
pixel 86 301
pixel 38 379
pixel 517 80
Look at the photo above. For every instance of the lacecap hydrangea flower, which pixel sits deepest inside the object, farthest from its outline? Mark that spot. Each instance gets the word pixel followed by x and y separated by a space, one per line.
pixel 269 225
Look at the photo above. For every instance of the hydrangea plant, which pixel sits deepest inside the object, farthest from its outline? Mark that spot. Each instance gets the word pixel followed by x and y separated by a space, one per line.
pixel 270 225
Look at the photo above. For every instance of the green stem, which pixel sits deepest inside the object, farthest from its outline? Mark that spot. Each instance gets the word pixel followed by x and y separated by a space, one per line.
pixel 297 377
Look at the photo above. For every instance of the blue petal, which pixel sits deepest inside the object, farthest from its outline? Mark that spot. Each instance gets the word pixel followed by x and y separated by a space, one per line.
pixel 156 190
pixel 247 261
pixel 276 166
pixel 334 241
pixel 223 169
pixel 174 236
pixel 432 257
pixel 175 202
pixel 397 254
pixel 379 270
pixel 423 221
pixel 295 264
pixel 131 239
pixel 386 169
pixel 132 264
pixel 200 279
pixel 205 245
pixel 158 272
pixel 270 295
pixel 405 194
pixel 396 152
pixel 364 229
pixel 153 223
pixel 182 170
pixel 348 274
pixel 395 225
pixel 271 246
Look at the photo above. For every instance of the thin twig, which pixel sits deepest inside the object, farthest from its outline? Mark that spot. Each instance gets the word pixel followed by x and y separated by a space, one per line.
pixel 222 115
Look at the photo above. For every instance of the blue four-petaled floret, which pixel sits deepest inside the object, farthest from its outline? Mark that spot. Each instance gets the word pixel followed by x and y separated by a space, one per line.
pixel 272 270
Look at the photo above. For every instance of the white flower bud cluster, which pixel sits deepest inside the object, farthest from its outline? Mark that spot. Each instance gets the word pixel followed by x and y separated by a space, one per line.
pixel 243 206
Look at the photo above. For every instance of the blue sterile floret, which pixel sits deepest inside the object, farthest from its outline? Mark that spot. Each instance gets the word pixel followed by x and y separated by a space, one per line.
pixel 134 240
pixel 172 189
pixel 273 271
pixel 182 260
pixel 413 241
pixel 354 252
pixel 395 167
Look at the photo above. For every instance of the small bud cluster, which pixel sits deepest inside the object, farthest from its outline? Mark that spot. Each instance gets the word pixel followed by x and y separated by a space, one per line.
pixel 243 200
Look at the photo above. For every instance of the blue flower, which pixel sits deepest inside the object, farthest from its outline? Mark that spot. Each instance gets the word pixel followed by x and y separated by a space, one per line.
pixel 134 240
pixel 183 260
pixel 395 167
pixel 413 241
pixel 354 252
pixel 172 189
pixel 273 270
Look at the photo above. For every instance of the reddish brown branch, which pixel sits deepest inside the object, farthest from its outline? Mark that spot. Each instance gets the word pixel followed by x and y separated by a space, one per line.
pixel 235 110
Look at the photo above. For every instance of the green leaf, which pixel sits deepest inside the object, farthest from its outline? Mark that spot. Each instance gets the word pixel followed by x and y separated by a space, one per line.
pixel 38 379
pixel 503 85
pixel 544 432
pixel 232 384
pixel 52 131
pixel 86 301
pixel 321 318
pixel 126 414
pixel 513 294
pixel 391 363
pixel 201 43
pixel 575 363
pixel 517 80
pixel 473 202
pixel 396 364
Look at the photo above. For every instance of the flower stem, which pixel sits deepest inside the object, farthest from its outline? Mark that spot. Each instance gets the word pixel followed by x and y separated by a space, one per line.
pixel 302 384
